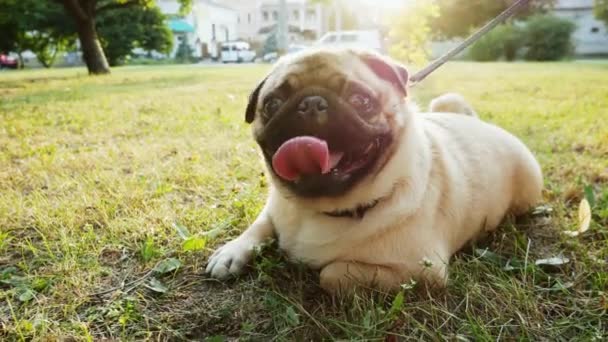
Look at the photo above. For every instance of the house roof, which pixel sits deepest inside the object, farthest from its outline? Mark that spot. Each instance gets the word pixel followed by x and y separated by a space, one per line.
pixel 180 25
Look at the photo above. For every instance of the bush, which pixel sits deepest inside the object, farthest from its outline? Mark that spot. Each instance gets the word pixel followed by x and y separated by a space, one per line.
pixel 184 53
pixel 486 49
pixel 548 38
pixel 513 40
pixel 504 41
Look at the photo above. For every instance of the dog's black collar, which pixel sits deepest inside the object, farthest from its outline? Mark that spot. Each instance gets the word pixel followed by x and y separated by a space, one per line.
pixel 356 213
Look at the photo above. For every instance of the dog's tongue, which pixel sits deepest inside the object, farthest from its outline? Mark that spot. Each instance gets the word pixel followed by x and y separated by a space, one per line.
pixel 304 156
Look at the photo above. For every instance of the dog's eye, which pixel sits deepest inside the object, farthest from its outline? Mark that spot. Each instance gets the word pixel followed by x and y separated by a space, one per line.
pixel 363 103
pixel 272 105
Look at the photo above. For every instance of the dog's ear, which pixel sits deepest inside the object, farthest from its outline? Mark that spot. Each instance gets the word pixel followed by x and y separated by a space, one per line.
pixel 253 102
pixel 388 70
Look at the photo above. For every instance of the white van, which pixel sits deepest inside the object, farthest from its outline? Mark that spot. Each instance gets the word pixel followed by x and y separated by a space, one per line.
pixel 236 52
pixel 371 39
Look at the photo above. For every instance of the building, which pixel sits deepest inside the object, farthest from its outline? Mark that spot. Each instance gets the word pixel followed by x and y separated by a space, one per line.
pixel 248 17
pixel 208 24
pixel 591 35
pixel 258 18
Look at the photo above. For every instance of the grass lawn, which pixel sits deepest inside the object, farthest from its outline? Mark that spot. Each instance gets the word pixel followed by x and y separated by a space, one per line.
pixel 114 190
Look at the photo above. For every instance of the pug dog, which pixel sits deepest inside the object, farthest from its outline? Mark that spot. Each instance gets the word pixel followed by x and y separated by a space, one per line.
pixel 364 187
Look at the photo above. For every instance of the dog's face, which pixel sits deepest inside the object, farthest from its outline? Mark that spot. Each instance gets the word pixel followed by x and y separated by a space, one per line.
pixel 327 120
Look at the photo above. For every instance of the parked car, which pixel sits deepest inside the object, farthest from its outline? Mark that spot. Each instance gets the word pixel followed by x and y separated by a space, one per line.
pixel 236 52
pixel 295 48
pixel 7 61
pixel 272 57
pixel 370 39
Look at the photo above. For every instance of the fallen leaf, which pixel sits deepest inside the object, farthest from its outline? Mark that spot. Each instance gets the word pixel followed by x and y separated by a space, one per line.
pixel 26 295
pixel 584 219
pixel 156 286
pixel 292 317
pixel 167 265
pixel 584 215
pixel 181 231
pixel 555 261
pixel 194 243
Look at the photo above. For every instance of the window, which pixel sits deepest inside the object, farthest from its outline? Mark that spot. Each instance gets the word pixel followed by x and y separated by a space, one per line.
pixel 296 15
pixel 225 48
pixel 275 15
pixel 248 18
pixel 329 39
pixel 595 29
pixel 265 15
pixel 212 31
pixel 348 38
pixel 311 15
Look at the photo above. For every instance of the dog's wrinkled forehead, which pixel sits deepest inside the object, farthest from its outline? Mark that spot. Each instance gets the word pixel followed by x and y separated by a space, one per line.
pixel 325 68
pixel 332 70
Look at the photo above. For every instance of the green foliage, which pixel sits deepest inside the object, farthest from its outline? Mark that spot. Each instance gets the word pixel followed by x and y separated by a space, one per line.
pixel 184 52
pixel 548 38
pixel 148 250
pixel 167 265
pixel 39 26
pixel 545 37
pixel 46 46
pixel 194 243
pixel 601 10
pixel 457 18
pixel 411 32
pixel 271 44
pixel 23 289
pixel 123 30
pixel 488 48
pixel 512 40
pixel 503 42
pixel 44 27
pixel 191 243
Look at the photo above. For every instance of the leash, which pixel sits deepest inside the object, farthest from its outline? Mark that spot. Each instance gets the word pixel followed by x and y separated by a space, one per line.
pixel 422 74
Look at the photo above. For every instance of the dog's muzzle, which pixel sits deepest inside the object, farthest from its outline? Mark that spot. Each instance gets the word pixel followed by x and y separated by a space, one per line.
pixel 318 112
pixel 319 145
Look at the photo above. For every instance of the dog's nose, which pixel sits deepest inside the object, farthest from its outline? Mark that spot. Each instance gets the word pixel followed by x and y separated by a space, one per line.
pixel 313 106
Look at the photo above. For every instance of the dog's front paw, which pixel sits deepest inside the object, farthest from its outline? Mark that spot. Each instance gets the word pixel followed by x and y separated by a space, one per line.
pixel 230 259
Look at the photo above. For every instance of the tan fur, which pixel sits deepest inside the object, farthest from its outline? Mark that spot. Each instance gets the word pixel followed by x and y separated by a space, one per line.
pixel 451 103
pixel 448 178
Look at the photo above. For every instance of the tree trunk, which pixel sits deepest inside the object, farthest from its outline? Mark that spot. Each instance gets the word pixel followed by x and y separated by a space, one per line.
pixel 92 53
pixel 21 61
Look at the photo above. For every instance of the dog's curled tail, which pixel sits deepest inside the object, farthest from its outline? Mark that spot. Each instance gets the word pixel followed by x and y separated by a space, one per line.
pixel 451 103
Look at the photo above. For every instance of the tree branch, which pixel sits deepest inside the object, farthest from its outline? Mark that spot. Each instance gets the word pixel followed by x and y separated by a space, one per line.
pixel 117 5
pixel 91 5
pixel 73 6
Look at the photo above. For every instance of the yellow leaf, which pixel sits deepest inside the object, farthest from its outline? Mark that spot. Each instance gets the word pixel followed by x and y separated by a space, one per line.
pixel 584 216
pixel 584 219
